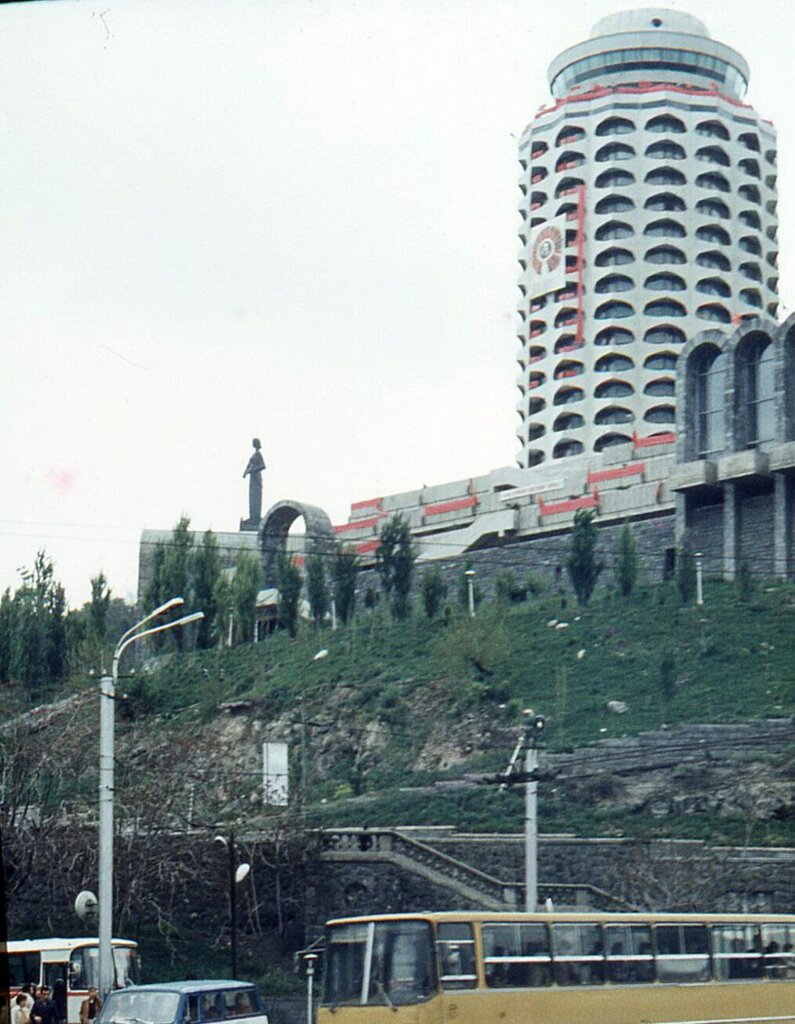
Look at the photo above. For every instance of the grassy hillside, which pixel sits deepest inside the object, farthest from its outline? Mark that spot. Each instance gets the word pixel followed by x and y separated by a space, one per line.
pixel 391 706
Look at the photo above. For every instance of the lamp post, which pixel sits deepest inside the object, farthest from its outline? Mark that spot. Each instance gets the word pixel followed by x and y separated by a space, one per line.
pixel 699 581
pixel 107 691
pixel 533 729
pixel 237 872
pixel 310 960
pixel 470 578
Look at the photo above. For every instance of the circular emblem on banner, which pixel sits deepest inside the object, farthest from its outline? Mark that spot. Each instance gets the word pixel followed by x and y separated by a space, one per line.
pixel 546 251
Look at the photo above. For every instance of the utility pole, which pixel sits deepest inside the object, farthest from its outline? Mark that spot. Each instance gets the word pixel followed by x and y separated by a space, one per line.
pixel 533 729
pixel 528 742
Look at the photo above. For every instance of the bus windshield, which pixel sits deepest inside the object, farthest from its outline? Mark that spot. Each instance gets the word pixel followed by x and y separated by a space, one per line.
pixel 379 963
pixel 84 967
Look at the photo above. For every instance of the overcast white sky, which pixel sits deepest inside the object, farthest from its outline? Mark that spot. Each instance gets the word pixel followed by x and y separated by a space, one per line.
pixel 294 219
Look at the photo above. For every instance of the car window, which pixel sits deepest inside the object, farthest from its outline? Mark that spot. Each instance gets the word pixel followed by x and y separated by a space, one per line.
pixel 239 1002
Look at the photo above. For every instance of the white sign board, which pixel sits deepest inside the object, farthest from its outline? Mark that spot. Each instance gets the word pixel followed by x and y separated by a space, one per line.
pixel 547 263
pixel 275 774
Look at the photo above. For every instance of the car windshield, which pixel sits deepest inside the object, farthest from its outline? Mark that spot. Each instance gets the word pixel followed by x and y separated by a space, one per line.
pixel 385 963
pixel 131 1007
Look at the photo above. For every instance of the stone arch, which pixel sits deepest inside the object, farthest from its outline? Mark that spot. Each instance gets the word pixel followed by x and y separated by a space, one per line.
pixel 686 390
pixel 276 525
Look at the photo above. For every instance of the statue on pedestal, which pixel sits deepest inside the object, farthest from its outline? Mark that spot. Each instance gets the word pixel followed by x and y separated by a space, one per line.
pixel 256 464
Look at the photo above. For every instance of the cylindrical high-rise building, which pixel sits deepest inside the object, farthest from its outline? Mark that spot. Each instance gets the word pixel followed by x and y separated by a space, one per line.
pixel 648 214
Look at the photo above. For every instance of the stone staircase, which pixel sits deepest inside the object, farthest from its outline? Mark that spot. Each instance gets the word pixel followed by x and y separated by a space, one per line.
pixel 410 854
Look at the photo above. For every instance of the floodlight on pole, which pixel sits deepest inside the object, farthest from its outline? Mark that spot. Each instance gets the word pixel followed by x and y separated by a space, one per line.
pixel 107 708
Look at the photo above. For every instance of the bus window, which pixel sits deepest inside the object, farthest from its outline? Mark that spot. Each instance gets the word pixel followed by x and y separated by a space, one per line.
pixel 516 955
pixel 578 954
pixel 778 947
pixel 125 961
pixel 24 969
pixel 83 968
pixel 736 951
pixel 402 969
pixel 629 956
pixel 682 952
pixel 344 974
pixel 455 945
pixel 384 963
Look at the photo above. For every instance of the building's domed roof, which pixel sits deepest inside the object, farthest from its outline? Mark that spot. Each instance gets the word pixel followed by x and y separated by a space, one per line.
pixel 647 19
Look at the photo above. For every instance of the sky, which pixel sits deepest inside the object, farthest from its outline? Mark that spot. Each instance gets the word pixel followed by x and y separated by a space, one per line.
pixel 289 219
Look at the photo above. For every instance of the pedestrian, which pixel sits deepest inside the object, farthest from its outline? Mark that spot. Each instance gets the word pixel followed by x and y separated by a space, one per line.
pixel 43 1011
pixel 89 1008
pixel 20 1014
pixel 59 998
pixel 27 992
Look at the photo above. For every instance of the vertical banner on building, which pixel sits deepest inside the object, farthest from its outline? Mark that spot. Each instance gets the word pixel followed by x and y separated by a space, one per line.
pixel 275 773
pixel 547 260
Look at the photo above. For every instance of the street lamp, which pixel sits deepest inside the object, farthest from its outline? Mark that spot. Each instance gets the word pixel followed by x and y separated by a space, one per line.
pixel 237 872
pixel 310 961
pixel 533 729
pixel 107 693
pixel 470 578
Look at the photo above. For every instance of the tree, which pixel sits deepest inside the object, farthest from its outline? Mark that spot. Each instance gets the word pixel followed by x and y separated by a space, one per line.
pixel 434 590
pixel 245 586
pixel 394 561
pixel 176 581
pixel 581 562
pixel 625 560
pixel 35 648
pixel 98 606
pixel 6 630
pixel 344 568
pixel 317 587
pixel 289 582
pixel 206 571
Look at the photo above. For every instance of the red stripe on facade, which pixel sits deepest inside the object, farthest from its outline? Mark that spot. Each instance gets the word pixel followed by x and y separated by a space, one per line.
pixel 456 505
pixel 580 261
pixel 367 547
pixel 358 524
pixel 617 473
pixel 598 91
pixel 570 505
pixel 368 503
pixel 648 442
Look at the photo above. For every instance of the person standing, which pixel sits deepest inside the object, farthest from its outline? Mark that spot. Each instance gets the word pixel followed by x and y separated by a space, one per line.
pixel 20 1013
pixel 43 1011
pixel 59 998
pixel 89 1008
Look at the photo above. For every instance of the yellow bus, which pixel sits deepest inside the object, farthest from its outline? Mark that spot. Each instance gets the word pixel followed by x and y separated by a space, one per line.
pixel 559 968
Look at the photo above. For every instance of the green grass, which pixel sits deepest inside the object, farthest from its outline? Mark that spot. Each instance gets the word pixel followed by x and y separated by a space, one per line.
pixel 734 660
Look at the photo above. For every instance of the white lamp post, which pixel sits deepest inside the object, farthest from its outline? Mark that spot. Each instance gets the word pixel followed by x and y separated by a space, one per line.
pixel 107 691
pixel 470 578
pixel 533 730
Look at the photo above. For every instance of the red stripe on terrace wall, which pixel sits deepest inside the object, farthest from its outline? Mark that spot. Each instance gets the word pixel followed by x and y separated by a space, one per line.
pixel 648 442
pixel 633 469
pixel 450 506
pixel 367 547
pixel 358 524
pixel 368 503
pixel 598 91
pixel 572 505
